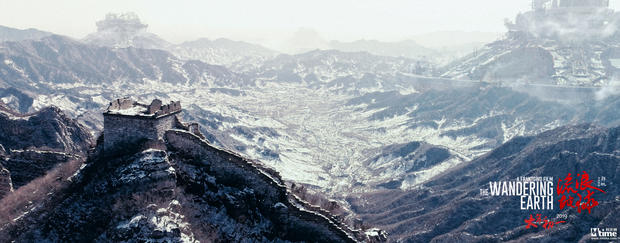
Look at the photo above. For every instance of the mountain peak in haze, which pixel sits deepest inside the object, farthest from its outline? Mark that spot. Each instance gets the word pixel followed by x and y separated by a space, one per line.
pixel 228 43
pixel 304 40
pixel 563 45
pixel 223 51
pixel 406 48
pixel 126 22
pixel 12 34
pixel 124 30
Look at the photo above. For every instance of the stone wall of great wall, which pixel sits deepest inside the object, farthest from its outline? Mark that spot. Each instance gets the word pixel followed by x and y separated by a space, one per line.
pixel 123 130
pixel 127 122
pixel 228 167
pixel 121 104
pixel 228 164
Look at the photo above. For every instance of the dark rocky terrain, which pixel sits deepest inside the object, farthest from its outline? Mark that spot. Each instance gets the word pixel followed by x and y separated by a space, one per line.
pixel 405 160
pixel 449 208
pixel 32 144
pixel 49 128
pixel 186 190
pixel 6 185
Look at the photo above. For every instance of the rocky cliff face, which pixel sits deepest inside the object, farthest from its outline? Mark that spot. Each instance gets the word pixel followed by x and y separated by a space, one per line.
pixel 6 185
pixel 47 129
pixel 32 144
pixel 449 207
pixel 184 191
pixel 26 165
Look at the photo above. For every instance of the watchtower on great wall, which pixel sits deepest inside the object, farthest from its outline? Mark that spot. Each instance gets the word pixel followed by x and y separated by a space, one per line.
pixel 127 122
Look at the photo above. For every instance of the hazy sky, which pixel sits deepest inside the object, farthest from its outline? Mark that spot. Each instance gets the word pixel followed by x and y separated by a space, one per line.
pixel 261 20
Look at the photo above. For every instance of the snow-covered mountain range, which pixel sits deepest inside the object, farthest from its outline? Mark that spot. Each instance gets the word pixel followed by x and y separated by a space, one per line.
pixel 12 34
pixel 341 123
pixel 326 118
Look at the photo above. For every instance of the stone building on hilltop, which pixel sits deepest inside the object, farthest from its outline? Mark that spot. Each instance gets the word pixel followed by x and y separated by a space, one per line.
pixel 127 122
pixel 567 20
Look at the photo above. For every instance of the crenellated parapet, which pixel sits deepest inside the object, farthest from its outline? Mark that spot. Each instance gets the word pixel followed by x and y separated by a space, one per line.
pixel 129 107
pixel 128 122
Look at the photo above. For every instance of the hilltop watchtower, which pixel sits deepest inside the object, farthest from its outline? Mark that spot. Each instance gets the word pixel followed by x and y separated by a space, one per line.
pixel 127 122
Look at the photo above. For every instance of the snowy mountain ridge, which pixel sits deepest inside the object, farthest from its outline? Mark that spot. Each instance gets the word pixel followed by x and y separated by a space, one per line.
pixel 559 45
